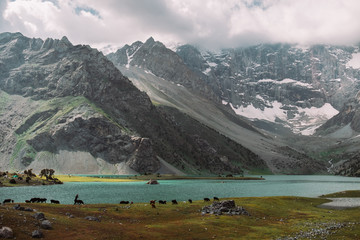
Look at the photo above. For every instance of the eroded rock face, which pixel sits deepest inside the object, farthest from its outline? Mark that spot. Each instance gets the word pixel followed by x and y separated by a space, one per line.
pixel 143 159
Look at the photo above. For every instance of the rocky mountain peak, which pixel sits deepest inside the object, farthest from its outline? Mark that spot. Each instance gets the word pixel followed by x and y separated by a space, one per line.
pixel 150 41
pixel 163 62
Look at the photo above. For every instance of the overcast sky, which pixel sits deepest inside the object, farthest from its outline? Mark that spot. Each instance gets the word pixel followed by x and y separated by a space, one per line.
pixel 208 23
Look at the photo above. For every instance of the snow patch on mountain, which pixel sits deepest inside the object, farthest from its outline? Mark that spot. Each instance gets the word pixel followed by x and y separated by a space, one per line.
pixel 304 121
pixel 269 114
pixel 355 61
pixel 286 81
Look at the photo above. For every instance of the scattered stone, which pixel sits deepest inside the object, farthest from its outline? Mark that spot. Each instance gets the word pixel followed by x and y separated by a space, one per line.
pixel 37 234
pixel 69 215
pixel 39 216
pixel 227 207
pixel 91 218
pixel 18 207
pixel 322 230
pixel 6 232
pixel 46 224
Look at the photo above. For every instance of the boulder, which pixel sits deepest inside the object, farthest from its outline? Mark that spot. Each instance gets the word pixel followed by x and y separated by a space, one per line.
pixel 39 216
pixel 6 232
pixel 46 224
pixel 37 234
pixel 91 218
pixel 224 207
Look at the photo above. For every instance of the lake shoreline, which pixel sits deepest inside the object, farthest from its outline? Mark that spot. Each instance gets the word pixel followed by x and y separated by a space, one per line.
pixel 105 178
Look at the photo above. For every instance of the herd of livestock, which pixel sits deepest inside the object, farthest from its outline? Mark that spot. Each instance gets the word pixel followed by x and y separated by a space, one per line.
pixel 80 202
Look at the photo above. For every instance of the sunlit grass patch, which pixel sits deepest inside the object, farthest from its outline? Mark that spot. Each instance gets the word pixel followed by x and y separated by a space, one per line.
pixel 74 178
pixel 343 194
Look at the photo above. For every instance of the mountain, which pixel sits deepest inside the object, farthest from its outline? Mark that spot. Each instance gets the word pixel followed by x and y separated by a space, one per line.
pixel 295 87
pixel 69 108
pixel 345 127
pixel 176 79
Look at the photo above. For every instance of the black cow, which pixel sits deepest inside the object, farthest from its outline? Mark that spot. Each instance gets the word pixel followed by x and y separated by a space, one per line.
pixel 190 201
pixel 174 201
pixel 8 200
pixel 42 200
pixel 124 202
pixel 55 201
pixel 162 202
pixel 216 199
pixel 78 201
pixel 206 199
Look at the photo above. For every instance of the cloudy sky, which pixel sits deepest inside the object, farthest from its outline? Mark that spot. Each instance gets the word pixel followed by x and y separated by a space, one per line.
pixel 208 23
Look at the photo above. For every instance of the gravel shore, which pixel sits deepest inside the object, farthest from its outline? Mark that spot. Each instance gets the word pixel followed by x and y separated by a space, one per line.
pixel 341 203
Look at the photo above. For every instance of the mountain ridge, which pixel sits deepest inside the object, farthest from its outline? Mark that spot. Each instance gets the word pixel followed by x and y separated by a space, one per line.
pixel 67 107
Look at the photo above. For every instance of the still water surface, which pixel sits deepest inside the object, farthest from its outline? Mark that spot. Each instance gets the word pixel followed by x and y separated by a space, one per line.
pixel 275 185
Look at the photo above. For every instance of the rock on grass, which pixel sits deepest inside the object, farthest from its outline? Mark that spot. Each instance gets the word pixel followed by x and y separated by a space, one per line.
pixel 6 232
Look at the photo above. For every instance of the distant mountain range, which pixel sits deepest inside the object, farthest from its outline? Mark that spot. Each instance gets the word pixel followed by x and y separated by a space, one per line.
pixel 145 108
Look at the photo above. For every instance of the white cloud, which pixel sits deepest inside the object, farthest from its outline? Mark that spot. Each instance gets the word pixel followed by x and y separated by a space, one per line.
pixel 213 23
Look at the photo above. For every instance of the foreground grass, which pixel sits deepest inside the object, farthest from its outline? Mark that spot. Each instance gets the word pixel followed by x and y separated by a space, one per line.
pixel 271 218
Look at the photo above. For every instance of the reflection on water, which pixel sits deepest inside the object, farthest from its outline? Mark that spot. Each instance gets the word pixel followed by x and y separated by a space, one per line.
pixel 274 185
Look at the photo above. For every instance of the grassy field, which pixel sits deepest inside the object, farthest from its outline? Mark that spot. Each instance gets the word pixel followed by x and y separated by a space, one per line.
pixel 344 194
pixel 271 218
pixel 72 178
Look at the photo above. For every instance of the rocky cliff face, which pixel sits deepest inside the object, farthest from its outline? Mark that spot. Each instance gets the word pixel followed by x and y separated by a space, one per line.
pixel 300 88
pixel 162 62
pixel 67 107
pixel 346 123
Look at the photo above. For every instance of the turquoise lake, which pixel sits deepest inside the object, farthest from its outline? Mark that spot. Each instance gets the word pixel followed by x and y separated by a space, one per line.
pixel 181 190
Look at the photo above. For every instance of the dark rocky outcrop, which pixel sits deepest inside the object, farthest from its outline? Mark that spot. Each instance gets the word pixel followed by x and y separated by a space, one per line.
pixel 227 207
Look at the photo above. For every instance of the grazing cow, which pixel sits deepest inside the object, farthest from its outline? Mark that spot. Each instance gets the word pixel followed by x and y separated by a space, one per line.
pixel 124 202
pixel 153 205
pixel 34 200
pixel 152 202
pixel 27 201
pixel 174 201
pixel 162 202
pixel 190 201
pixel 8 200
pixel 55 201
pixel 216 199
pixel 77 201
pixel 206 199
pixel 42 200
